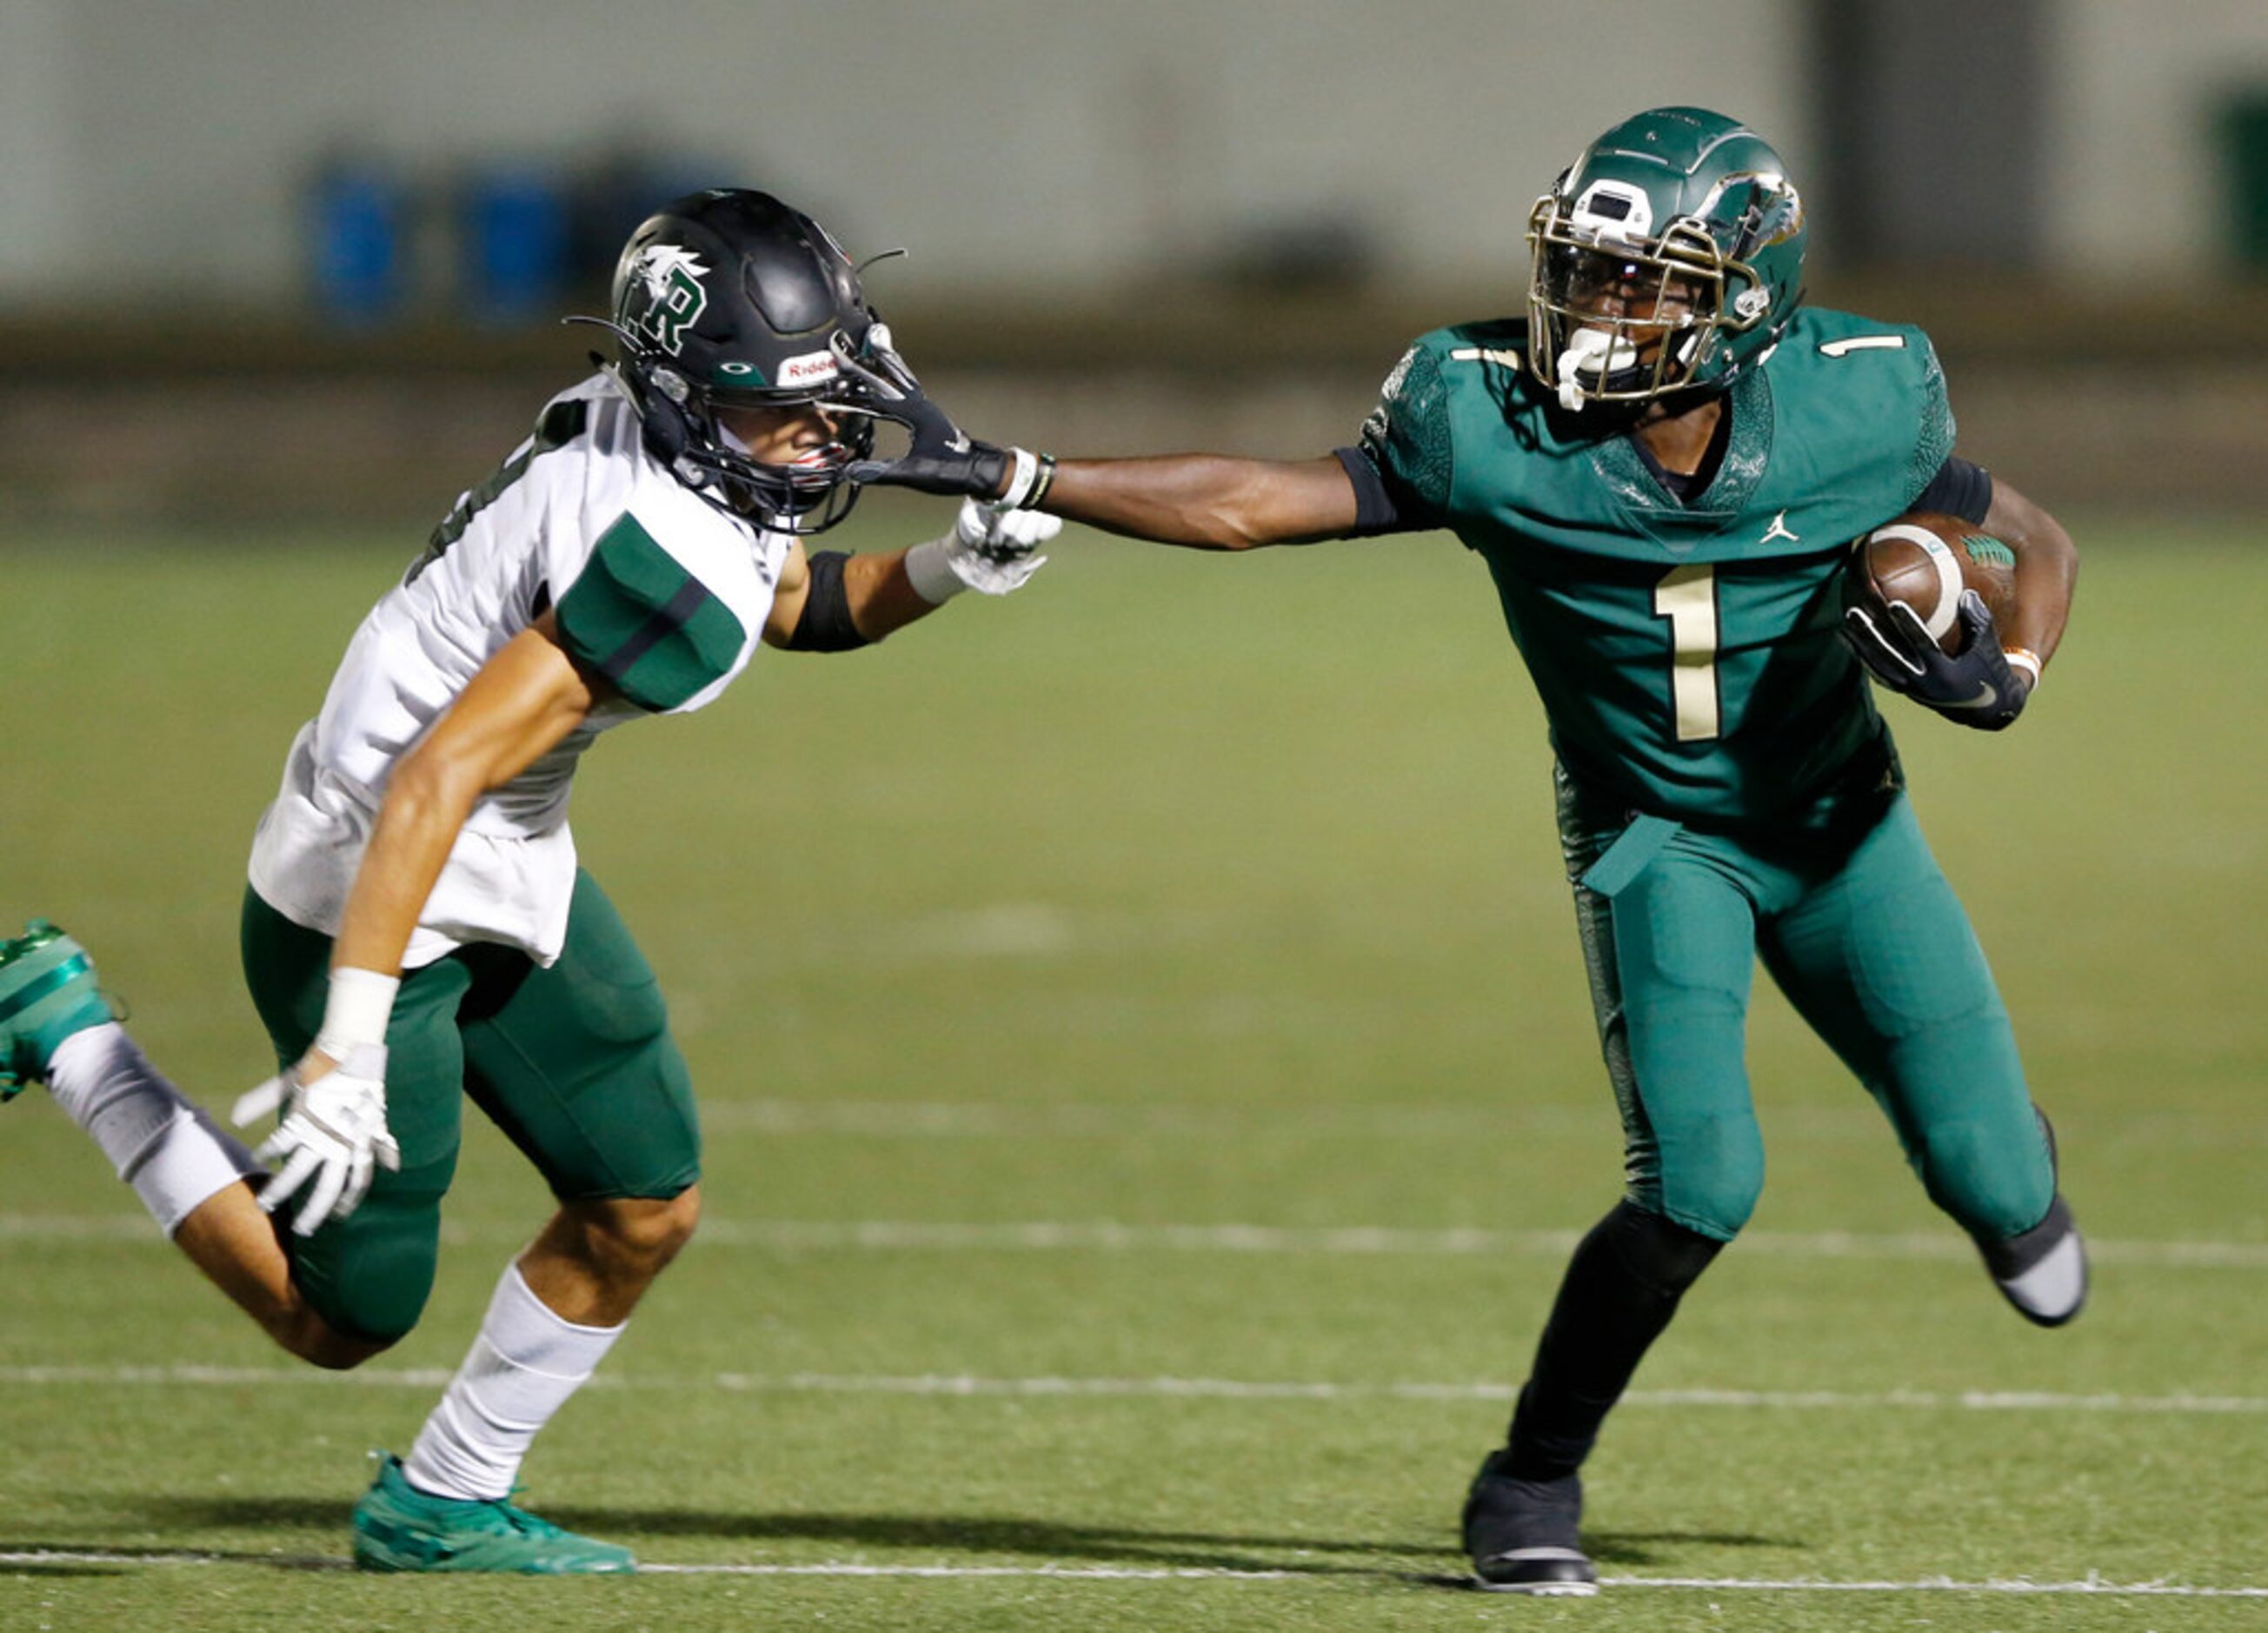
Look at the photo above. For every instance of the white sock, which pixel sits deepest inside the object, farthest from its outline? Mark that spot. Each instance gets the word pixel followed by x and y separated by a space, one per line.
pixel 523 1366
pixel 172 1153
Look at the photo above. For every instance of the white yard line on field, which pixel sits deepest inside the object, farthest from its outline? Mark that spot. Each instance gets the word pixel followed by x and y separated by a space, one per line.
pixel 954 1385
pixel 1106 1236
pixel 2091 1584
pixel 1095 1119
pixel 1937 1585
pixel 1853 1118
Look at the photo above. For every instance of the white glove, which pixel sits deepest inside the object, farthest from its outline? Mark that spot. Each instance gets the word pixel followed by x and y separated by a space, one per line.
pixel 988 550
pixel 334 1132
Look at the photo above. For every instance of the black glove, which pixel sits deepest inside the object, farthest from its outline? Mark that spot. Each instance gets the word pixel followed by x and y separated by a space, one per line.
pixel 943 458
pixel 1977 687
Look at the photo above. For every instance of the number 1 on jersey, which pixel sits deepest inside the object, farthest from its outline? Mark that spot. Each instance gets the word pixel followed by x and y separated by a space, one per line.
pixel 1688 598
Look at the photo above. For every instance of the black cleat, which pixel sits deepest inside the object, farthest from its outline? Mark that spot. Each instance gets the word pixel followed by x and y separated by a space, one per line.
pixel 1524 1535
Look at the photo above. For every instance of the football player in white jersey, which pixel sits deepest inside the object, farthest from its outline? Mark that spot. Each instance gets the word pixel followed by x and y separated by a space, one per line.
pixel 416 930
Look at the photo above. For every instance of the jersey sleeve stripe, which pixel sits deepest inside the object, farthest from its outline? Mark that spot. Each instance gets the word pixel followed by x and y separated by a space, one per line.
pixel 665 622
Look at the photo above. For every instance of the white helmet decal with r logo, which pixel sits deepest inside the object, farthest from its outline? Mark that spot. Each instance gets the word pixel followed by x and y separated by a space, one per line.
pixel 675 298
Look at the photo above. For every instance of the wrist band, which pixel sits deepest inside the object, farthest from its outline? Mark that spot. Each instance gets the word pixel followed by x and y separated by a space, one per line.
pixel 356 1013
pixel 1047 479
pixel 1019 484
pixel 929 571
pixel 2023 658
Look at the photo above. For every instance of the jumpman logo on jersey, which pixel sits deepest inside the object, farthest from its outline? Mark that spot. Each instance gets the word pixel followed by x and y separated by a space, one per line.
pixel 1779 530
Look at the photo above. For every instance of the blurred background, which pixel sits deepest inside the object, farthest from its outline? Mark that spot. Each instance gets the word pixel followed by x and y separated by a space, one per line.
pixel 1163 973
pixel 261 262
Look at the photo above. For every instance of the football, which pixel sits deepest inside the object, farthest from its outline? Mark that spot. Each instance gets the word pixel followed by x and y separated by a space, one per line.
pixel 1925 560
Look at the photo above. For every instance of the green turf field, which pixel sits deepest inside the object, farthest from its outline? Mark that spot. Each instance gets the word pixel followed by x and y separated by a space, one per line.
pixel 1150 1092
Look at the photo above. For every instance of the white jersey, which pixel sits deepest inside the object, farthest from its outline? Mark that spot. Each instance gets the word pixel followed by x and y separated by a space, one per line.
pixel 657 590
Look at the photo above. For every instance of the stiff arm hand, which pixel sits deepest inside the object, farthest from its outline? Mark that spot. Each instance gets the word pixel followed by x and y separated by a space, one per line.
pixel 942 458
pixel 1206 501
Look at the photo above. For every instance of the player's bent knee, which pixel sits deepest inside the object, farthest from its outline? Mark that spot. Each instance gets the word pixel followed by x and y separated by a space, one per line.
pixel 679 1216
pixel 305 1334
pixel 1719 1216
pixel 638 1236
pixel 360 1286
pixel 1993 1187
pixel 334 1352
pixel 1710 1184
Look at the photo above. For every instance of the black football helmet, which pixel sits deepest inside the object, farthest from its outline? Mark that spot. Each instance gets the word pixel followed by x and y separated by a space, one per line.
pixel 729 298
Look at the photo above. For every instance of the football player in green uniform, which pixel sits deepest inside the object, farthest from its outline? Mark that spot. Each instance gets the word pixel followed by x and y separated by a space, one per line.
pixel 1663 464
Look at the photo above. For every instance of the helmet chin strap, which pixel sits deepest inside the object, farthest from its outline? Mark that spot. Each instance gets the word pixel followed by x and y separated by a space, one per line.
pixel 1592 351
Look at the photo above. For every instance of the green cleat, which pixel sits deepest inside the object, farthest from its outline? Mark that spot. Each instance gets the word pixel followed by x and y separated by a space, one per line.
pixel 398 1528
pixel 46 992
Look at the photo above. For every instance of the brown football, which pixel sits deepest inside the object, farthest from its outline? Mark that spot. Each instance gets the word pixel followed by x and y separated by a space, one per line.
pixel 1925 560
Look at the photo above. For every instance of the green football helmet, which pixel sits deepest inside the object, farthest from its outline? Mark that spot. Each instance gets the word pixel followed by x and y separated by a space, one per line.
pixel 1668 257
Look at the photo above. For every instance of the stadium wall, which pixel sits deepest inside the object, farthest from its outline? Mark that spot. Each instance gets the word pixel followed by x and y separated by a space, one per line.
pixel 1022 145
pixel 1078 184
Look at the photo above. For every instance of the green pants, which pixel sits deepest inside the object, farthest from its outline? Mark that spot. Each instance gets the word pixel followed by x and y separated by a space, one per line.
pixel 1856 924
pixel 574 1062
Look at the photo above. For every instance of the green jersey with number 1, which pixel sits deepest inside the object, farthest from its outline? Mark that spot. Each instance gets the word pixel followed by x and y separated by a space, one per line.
pixel 1685 649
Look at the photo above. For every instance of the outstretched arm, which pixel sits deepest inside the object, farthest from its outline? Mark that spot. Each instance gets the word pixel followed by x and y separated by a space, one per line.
pixel 1207 501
